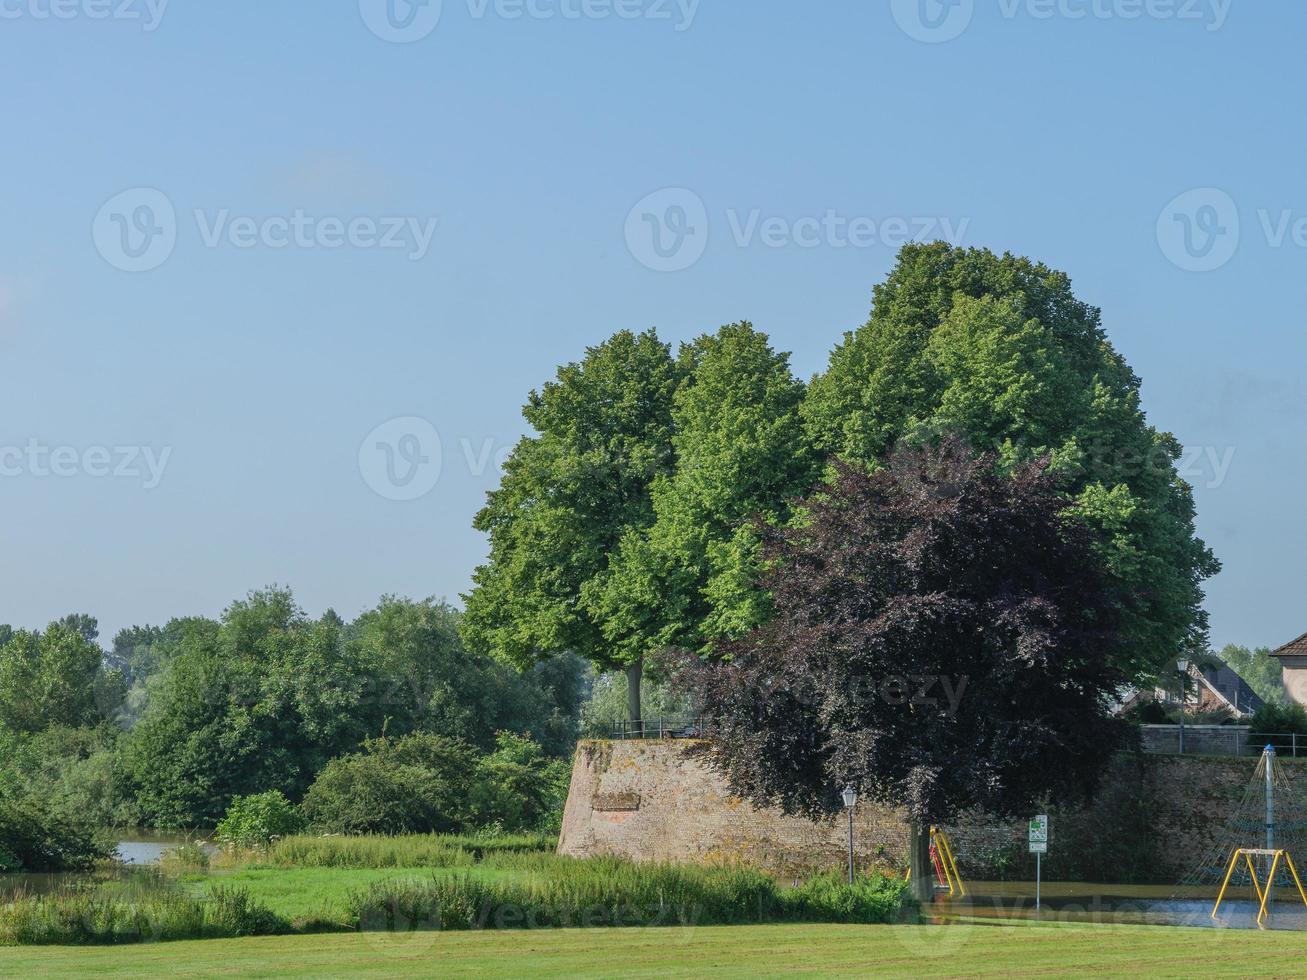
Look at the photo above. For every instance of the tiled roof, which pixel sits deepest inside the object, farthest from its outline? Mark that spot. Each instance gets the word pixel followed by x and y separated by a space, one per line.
pixel 1294 648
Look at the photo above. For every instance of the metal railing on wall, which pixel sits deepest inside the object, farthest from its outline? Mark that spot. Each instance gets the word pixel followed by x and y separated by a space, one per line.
pixel 1219 740
pixel 683 727
pixel 1227 740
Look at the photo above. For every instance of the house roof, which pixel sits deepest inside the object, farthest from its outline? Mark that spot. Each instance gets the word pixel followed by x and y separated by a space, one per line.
pixel 1294 648
pixel 1227 684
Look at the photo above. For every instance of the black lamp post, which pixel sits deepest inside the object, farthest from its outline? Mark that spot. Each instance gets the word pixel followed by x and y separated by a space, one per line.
pixel 850 801
pixel 1183 666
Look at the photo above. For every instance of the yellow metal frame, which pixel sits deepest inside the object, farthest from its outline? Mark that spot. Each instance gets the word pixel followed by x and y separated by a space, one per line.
pixel 946 861
pixel 1263 894
pixel 945 853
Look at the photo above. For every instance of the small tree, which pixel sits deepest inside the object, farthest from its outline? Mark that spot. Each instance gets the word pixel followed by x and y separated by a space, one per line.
pixel 258 820
pixel 942 641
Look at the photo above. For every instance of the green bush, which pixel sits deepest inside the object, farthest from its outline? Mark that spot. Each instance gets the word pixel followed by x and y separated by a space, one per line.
pixel 612 892
pixel 518 787
pixel 255 821
pixel 1278 719
pixel 431 784
pixel 417 784
pixel 33 837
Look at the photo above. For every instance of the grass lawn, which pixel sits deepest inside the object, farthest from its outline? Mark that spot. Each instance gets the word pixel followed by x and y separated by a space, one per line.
pixel 729 951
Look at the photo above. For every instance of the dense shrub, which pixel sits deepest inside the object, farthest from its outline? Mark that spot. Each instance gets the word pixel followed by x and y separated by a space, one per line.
pixel 255 821
pixel 519 787
pixel 35 838
pixel 416 784
pixel 1279 719
pixel 431 784
pixel 612 892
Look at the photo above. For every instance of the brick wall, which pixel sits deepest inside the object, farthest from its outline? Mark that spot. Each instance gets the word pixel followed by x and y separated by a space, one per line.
pixel 651 801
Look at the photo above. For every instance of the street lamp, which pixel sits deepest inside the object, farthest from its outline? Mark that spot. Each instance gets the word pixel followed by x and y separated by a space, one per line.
pixel 850 801
pixel 1183 666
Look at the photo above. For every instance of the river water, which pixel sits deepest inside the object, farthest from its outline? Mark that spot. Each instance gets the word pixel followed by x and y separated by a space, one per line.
pixel 1097 903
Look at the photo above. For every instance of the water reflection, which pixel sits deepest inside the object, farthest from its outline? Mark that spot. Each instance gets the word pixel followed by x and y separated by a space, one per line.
pixel 1095 903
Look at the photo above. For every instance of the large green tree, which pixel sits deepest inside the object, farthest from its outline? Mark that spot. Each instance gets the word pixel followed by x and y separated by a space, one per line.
pixel 999 348
pixel 741 459
pixel 56 677
pixel 570 493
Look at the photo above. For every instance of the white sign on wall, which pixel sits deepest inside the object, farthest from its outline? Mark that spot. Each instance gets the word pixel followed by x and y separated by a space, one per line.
pixel 1039 834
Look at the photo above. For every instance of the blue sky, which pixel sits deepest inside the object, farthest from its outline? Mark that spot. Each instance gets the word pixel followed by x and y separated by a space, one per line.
pixel 241 384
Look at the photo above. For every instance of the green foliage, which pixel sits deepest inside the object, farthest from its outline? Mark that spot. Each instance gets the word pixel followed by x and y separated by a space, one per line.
pixel 408 851
pixel 80 918
pixel 569 495
pixel 740 454
pixel 613 892
pixel 256 821
pixel 426 680
pixel 33 838
pixel 1279 719
pixel 606 704
pixel 1000 349
pixel 415 784
pixel 1259 669
pixel 75 773
pixel 184 859
pixel 428 783
pixel 264 699
pixel 368 851
pixel 519 787
pixel 53 678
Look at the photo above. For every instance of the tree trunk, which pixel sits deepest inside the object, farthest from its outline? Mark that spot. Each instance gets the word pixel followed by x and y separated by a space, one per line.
pixel 922 875
pixel 634 674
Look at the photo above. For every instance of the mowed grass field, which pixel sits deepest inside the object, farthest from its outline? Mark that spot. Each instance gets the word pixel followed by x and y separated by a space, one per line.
pixel 729 951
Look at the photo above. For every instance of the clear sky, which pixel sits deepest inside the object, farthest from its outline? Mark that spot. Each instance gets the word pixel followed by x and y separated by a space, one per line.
pixel 194 292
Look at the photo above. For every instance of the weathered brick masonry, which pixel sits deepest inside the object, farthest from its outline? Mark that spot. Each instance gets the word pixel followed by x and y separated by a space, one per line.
pixel 652 801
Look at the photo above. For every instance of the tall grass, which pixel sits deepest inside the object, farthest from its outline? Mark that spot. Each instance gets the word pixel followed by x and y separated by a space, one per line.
pixel 376 851
pixel 613 892
pixel 81 918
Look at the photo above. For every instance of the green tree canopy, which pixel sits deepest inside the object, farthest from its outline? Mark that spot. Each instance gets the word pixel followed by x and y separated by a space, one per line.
pixel 1000 349
pixel 740 455
pixel 570 493
pixel 55 677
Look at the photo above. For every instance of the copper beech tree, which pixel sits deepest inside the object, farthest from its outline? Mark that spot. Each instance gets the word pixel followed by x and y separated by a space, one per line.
pixel 941 641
